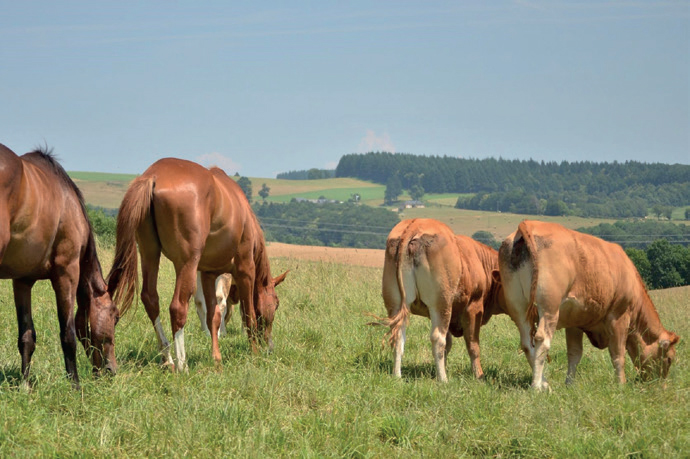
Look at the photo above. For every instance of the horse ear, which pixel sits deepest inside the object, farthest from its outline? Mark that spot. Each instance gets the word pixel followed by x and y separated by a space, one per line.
pixel 279 279
pixel 496 276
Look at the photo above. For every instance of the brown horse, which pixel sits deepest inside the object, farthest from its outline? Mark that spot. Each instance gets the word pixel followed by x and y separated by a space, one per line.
pixel 46 234
pixel 199 219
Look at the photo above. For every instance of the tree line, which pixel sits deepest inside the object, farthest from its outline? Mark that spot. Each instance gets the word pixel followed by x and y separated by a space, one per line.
pixel 583 188
pixel 309 174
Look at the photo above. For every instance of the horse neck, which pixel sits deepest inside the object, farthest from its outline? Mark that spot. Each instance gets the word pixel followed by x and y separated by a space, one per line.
pixel 263 270
pixel 91 281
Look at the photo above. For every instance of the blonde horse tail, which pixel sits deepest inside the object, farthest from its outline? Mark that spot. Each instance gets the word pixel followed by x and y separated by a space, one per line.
pixel 123 279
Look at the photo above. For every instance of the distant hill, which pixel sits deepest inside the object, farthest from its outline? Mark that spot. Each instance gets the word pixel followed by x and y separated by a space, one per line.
pixel 616 190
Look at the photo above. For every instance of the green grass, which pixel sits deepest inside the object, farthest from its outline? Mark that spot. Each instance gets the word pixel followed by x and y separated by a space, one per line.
pixel 326 390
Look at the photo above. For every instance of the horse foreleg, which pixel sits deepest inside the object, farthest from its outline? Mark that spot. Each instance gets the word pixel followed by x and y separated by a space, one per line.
pixel 65 285
pixel 26 342
pixel 208 285
pixel 200 303
pixel 245 285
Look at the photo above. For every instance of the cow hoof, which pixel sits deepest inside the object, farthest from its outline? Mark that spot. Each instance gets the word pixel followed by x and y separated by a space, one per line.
pixel 543 387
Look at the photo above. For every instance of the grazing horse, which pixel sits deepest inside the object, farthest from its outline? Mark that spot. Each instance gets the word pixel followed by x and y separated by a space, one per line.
pixel 201 220
pixel 46 234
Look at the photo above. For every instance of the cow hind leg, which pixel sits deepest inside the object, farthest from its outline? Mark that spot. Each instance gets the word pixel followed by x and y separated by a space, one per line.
pixel 542 344
pixel 439 331
pixel 573 338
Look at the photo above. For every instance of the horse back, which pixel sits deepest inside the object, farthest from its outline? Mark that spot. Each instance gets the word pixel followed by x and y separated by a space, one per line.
pixel 197 213
pixel 44 208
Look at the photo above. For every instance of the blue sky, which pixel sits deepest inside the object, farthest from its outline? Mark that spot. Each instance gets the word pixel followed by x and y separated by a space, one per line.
pixel 266 87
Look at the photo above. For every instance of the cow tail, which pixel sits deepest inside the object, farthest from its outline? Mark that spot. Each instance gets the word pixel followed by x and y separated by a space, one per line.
pixel 532 311
pixel 401 318
pixel 123 279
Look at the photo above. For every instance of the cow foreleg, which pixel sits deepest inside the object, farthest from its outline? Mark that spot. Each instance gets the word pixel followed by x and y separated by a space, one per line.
pixel 471 322
pixel 573 338
pixel 618 331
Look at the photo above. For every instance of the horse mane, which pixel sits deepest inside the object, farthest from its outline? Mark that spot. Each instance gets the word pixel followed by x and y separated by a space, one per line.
pixel 45 158
pixel 263 269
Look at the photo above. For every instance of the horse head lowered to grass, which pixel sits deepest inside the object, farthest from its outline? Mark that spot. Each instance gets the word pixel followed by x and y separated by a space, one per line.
pixel 45 234
pixel 201 220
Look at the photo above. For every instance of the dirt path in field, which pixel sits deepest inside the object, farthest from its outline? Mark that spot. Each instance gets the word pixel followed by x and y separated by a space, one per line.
pixel 360 257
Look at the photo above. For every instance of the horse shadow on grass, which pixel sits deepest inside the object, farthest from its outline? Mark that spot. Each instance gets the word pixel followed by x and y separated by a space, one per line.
pixel 11 376
pixel 139 357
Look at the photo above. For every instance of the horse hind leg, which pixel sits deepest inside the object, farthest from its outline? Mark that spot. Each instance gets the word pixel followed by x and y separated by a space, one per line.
pixel 150 261
pixel 26 341
pixel 184 286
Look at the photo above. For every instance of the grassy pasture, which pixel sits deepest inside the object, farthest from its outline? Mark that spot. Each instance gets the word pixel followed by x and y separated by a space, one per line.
pixel 326 390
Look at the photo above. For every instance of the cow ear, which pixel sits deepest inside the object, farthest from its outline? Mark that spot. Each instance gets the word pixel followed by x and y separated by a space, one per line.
pixel 496 276
pixel 279 279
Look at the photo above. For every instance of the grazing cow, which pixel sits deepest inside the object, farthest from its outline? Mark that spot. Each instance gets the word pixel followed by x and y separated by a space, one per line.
pixel 434 273
pixel 557 278
pixel 225 289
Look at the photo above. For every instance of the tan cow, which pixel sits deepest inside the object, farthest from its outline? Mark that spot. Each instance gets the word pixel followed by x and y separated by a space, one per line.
pixel 434 273
pixel 557 278
pixel 226 290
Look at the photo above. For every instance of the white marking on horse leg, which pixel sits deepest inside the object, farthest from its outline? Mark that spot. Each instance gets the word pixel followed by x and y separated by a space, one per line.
pixel 163 343
pixel 180 351
pixel 223 306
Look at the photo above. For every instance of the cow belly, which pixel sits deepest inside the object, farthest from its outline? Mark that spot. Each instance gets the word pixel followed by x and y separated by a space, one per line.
pixel 573 312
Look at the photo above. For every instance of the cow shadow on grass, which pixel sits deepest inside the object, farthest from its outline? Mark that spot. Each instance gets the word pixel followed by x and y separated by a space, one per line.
pixel 493 375
pixel 506 379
